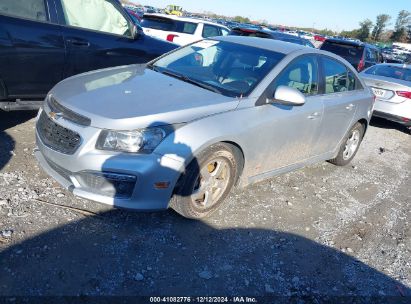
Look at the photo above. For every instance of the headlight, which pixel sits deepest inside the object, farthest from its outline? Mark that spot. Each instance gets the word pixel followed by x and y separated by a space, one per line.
pixel 143 141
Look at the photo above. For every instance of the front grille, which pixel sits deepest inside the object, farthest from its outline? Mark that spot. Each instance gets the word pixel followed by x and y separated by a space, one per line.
pixel 67 113
pixel 57 137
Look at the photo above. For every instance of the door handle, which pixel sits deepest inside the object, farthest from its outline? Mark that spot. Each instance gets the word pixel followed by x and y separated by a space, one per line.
pixel 314 115
pixel 113 53
pixel 350 107
pixel 76 42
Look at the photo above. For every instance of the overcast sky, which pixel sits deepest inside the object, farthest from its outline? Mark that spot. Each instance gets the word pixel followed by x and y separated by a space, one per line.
pixel 336 15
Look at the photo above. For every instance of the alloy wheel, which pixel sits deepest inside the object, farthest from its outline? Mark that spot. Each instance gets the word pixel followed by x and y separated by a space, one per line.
pixel 211 183
pixel 352 144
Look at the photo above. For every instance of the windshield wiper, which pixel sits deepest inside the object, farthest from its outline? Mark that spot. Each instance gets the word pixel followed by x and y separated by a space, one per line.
pixel 192 81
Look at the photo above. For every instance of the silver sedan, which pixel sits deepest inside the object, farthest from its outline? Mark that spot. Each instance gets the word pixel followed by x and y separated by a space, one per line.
pixel 183 130
pixel 391 84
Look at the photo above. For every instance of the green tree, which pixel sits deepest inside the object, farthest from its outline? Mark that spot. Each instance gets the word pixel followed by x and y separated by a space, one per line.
pixel 350 34
pixel 380 25
pixel 241 19
pixel 326 32
pixel 401 25
pixel 365 30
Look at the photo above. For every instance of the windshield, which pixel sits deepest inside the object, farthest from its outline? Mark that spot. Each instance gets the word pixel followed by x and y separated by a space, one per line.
pixel 227 68
pixel 390 71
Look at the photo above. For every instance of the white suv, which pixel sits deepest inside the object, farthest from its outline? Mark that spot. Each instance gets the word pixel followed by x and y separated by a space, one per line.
pixel 180 30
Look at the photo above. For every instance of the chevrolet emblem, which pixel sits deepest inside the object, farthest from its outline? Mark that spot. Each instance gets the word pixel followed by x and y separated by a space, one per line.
pixel 55 116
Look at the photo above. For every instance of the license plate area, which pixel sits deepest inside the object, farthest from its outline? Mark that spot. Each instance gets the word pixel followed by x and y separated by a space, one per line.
pixel 382 94
pixel 378 92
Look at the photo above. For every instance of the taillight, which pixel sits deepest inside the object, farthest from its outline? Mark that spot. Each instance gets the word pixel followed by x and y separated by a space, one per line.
pixel 404 94
pixel 171 37
pixel 361 65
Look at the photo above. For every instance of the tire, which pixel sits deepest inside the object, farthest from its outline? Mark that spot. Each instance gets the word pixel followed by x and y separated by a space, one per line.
pixel 207 181
pixel 347 153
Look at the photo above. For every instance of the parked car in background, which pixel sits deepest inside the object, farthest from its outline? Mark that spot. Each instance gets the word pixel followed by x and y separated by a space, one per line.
pixel 391 57
pixel 43 42
pixel 266 33
pixel 180 30
pixel 150 9
pixel 134 16
pixel 320 38
pixel 360 55
pixel 391 84
pixel 305 35
pixel 232 24
pixel 199 120
pixel 137 10
pixel 293 33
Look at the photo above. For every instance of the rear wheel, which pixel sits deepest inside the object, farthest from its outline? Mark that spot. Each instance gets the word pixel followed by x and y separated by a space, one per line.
pixel 206 182
pixel 350 145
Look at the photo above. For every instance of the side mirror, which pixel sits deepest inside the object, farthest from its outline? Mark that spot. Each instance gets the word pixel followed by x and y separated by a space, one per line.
pixel 136 32
pixel 287 96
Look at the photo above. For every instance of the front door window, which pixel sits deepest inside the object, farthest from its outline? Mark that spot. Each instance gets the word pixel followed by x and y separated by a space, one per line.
pixel 97 15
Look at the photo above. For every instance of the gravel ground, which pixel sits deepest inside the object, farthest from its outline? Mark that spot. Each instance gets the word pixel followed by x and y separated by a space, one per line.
pixel 320 231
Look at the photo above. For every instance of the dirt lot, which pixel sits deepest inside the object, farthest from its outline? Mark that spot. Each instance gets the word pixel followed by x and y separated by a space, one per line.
pixel 323 230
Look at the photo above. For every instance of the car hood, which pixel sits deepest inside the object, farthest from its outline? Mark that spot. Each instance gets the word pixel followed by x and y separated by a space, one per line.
pixel 132 97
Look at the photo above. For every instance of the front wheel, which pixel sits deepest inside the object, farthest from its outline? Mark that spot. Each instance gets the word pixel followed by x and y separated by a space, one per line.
pixel 206 182
pixel 350 145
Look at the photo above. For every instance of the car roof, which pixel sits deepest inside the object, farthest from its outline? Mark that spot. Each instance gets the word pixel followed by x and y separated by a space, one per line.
pixel 267 44
pixel 348 42
pixel 398 65
pixel 186 19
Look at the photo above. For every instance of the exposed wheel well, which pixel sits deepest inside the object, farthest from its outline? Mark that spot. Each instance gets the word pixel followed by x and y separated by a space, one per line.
pixel 240 157
pixel 364 123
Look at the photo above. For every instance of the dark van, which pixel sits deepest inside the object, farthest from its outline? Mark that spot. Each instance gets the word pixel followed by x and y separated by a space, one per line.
pixel 44 41
pixel 360 55
pixel 266 33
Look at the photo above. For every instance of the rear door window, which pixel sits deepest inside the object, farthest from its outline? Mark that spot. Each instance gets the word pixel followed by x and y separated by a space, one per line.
pixel 376 56
pixel 338 78
pixel 186 27
pixel 28 9
pixel 210 31
pixel 370 55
